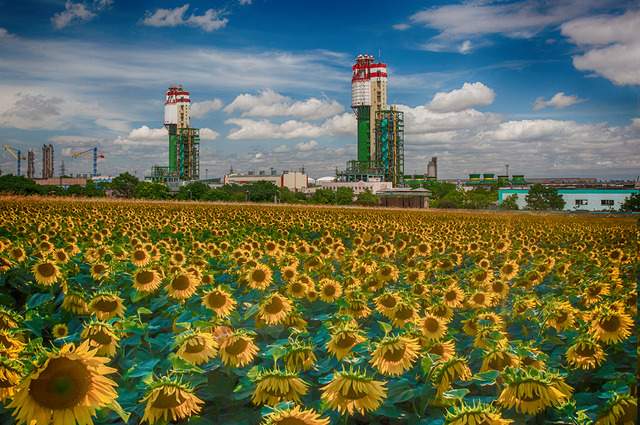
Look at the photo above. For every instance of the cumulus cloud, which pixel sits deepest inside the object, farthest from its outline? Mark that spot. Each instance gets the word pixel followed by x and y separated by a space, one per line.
pixel 210 21
pixel 147 136
pixel 401 26
pixel 245 2
pixel 249 129
pixel 269 103
pixel 307 146
pixel 31 111
pixel 635 123
pixel 558 101
pixel 208 134
pixel 520 19
pixel 611 46
pixel 470 94
pixel 200 109
pixel 72 12
pixel 74 140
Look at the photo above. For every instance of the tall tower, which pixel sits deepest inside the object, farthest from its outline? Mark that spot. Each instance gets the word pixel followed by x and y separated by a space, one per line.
pixel 184 141
pixel 47 161
pixel 432 168
pixel 368 97
pixel 31 164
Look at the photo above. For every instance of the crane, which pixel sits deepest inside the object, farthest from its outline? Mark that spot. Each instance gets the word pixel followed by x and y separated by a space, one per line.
pixel 17 155
pixel 93 150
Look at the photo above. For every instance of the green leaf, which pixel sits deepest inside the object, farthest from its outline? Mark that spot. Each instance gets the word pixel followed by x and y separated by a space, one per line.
pixel 386 328
pixel 144 310
pixel 457 394
pixel 119 410
pixel 486 378
pixel 39 299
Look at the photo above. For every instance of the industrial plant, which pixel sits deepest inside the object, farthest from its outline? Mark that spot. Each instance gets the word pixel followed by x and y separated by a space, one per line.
pixel 380 128
pixel 184 141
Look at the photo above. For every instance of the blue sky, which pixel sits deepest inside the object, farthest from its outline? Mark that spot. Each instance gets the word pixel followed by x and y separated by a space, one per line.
pixel 549 87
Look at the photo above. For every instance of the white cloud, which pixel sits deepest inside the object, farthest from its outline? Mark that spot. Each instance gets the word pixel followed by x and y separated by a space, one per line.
pixel 200 109
pixel 268 103
pixel 520 19
pixel 611 46
pixel 4 34
pixel 558 101
pixel 465 47
pixel 470 94
pixel 244 2
pixel 401 26
pixel 145 133
pixel 74 140
pixel 208 134
pixel 210 21
pixel 307 146
pixel 249 129
pixel 420 120
pixel 72 12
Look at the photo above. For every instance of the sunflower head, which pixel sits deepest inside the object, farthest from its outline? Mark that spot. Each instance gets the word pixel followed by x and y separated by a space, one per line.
pixel 107 305
pixel 9 319
pixel 354 391
pixel 67 387
pixel 610 325
pixel 476 413
pixel 620 409
pixel 101 335
pixel 46 272
pixel 395 354
pixel 531 391
pixel 238 349
pixel 274 386
pixel 275 309
pixel 10 377
pixel 60 330
pixel 299 356
pixel 196 347
pixel 294 416
pixel 168 399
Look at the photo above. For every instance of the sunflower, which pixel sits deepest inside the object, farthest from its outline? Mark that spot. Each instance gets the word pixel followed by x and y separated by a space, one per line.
pixel 220 301
pixel 404 313
pixel 169 400
pixel 10 343
pixel 395 354
pixel 238 349
pixel 99 271
pixel 294 416
pixel 288 273
pixel 275 309
pixel 9 319
pixel 353 391
pixel 102 336
pixel 10 377
pixel 585 354
pixel 480 299
pixel 475 414
pixel 183 285
pixel 433 328
pixel 497 358
pixel 146 280
pixel 18 254
pixel 531 391
pixel 443 349
pixel 594 293
pixel 561 316
pixel 68 388
pixel 610 326
pixel 107 305
pixel 446 372
pixel 196 347
pixel 60 330
pixel 509 270
pixel 275 385
pixel 259 277
pixel 330 290
pixel 75 303
pixel 453 296
pixel 299 356
pixel 386 304
pixel 140 257
pixel 343 339
pixel 296 288
pixel 46 272
pixel 621 409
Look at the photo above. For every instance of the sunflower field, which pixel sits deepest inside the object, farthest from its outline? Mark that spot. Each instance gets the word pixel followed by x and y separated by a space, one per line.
pixel 129 312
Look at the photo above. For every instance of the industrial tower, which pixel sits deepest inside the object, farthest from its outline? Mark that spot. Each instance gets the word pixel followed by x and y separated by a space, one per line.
pixel 31 161
pixel 380 127
pixel 47 161
pixel 184 141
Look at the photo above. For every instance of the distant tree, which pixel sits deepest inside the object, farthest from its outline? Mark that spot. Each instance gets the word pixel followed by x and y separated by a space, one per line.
pixel 18 185
pixel 510 202
pixel 193 191
pixel 367 198
pixel 631 204
pixel 124 185
pixel 542 198
pixel 324 196
pixel 149 190
pixel 92 190
pixel 52 190
pixel 439 189
pixel 262 191
pixel 453 199
pixel 289 197
pixel 344 196
pixel 75 190
pixel 480 198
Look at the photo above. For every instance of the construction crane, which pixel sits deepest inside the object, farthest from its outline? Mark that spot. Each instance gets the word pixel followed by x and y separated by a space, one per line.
pixel 17 155
pixel 93 150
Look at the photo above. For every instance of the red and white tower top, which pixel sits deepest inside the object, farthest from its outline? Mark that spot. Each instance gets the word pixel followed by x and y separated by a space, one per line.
pixel 365 70
pixel 176 107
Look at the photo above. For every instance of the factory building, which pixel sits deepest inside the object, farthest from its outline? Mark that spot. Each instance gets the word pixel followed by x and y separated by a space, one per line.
pixel 380 128
pixel 47 161
pixel 357 187
pixel 578 199
pixel 31 164
pixel 295 181
pixel 184 141
pixel 432 168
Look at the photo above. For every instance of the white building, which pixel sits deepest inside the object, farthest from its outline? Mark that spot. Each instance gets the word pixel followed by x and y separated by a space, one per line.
pixel 295 181
pixel 358 187
pixel 578 199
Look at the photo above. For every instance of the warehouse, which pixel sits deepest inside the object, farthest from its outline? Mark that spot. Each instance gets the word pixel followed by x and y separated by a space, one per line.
pixel 578 199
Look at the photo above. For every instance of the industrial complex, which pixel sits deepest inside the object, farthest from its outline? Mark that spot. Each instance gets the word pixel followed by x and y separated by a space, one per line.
pixel 379 165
